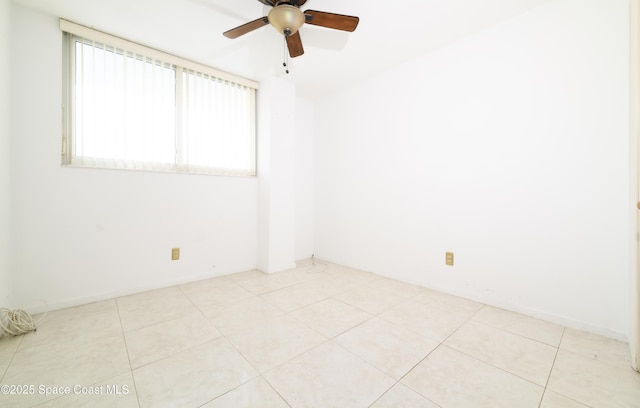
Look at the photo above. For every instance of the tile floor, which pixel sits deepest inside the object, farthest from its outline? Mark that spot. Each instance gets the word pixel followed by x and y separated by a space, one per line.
pixel 314 336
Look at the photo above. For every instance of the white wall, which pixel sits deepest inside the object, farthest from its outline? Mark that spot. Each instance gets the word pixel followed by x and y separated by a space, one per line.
pixel 509 148
pixel 634 130
pixel 82 234
pixel 5 181
pixel 276 181
pixel 304 178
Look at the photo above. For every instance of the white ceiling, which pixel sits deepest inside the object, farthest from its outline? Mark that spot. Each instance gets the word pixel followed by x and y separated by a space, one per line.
pixel 389 33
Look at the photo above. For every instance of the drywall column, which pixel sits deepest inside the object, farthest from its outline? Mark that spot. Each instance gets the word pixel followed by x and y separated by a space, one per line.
pixel 634 80
pixel 5 181
pixel 276 181
pixel 304 177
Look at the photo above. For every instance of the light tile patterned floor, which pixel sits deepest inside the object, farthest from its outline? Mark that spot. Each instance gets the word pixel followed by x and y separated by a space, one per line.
pixel 314 336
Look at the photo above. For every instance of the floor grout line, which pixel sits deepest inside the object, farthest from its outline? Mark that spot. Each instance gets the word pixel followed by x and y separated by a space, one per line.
pixel 551 369
pixel 126 347
pixel 13 356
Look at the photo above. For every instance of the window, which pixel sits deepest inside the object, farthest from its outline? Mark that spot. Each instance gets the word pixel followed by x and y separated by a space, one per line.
pixel 132 107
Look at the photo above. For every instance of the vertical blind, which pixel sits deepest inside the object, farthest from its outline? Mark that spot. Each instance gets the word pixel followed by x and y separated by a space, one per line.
pixel 131 107
pixel 211 106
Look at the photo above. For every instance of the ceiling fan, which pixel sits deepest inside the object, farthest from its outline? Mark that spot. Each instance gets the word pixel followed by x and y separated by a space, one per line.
pixel 287 18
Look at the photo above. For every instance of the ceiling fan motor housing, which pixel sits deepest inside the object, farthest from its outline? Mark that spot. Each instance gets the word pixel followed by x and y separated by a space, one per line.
pixel 287 19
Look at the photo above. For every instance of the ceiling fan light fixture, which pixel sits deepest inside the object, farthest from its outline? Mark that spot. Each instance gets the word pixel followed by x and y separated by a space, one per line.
pixel 286 19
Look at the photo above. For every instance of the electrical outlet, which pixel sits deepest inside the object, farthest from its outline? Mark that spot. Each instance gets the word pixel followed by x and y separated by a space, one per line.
pixel 175 254
pixel 449 258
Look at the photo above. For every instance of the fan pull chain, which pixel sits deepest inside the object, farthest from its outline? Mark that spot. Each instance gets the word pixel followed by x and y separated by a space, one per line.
pixel 285 56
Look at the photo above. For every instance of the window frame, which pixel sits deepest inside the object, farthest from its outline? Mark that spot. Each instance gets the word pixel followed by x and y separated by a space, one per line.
pixel 72 32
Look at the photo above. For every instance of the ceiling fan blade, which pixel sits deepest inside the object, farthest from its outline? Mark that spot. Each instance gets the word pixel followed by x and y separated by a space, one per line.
pixel 298 3
pixel 271 3
pixel 294 43
pixel 245 28
pixel 330 20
